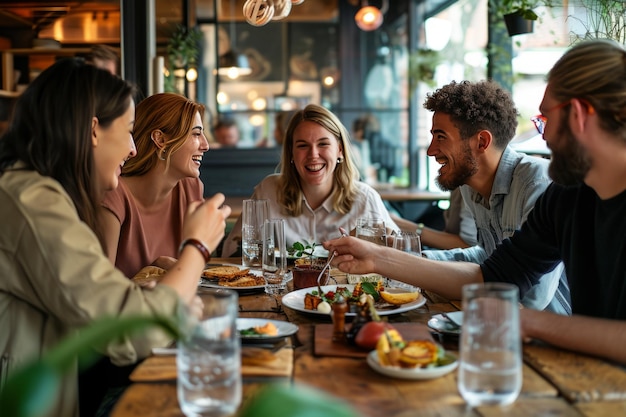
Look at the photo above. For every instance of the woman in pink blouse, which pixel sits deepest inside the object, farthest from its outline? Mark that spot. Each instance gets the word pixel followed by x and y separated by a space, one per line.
pixel 143 217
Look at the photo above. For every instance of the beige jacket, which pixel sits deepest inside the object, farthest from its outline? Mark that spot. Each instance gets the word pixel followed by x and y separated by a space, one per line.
pixel 55 278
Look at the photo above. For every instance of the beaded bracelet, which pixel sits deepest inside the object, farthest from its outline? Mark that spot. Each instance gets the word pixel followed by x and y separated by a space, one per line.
pixel 198 245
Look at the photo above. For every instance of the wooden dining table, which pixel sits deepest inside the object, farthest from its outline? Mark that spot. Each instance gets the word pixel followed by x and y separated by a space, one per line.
pixel 556 382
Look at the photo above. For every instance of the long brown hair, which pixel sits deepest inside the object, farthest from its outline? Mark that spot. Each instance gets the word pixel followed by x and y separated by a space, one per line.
pixel 595 71
pixel 345 175
pixel 170 113
pixel 50 131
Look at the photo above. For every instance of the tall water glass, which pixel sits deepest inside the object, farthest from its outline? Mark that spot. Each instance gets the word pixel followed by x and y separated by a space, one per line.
pixel 406 242
pixel 274 256
pixel 372 230
pixel 209 358
pixel 253 215
pixel 490 371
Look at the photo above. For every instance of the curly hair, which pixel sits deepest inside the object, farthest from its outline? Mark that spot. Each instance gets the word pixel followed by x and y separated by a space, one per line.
pixel 172 114
pixel 475 106
pixel 345 175
pixel 595 71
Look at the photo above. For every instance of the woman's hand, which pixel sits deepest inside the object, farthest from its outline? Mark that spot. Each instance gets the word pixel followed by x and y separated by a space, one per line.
pixel 165 262
pixel 206 221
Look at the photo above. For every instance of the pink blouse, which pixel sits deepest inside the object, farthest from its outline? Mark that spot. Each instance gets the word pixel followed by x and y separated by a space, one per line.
pixel 147 234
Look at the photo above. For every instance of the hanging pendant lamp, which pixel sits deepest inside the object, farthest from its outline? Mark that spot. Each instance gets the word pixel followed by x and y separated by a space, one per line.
pixel 370 18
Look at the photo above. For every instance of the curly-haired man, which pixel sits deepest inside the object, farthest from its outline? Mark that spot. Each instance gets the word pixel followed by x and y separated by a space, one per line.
pixel 473 124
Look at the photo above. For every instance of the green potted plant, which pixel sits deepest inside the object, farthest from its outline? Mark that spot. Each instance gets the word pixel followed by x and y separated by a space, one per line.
pixel 605 19
pixel 29 391
pixel 307 265
pixel 183 51
pixel 519 15
pixel 422 66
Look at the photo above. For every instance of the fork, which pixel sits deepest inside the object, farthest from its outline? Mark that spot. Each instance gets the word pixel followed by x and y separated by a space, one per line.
pixel 319 288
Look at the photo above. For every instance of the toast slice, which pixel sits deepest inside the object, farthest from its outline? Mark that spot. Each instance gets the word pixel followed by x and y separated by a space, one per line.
pixel 248 280
pixel 225 272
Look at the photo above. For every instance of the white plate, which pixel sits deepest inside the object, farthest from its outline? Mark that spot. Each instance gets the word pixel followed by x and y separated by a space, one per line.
pixel 253 288
pixel 411 373
pixel 295 301
pixel 284 329
pixel 443 325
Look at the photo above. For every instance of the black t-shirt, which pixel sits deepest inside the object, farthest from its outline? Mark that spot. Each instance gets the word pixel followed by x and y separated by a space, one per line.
pixel 589 234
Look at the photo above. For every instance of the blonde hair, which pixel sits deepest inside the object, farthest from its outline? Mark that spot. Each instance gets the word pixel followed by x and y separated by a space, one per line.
pixel 172 114
pixel 345 175
pixel 595 71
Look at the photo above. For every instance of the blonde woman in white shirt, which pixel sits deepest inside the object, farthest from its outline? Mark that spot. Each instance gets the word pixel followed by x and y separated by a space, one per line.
pixel 317 190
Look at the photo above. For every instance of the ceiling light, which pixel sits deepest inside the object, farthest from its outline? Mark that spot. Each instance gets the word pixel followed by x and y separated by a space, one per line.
pixel 233 65
pixel 370 18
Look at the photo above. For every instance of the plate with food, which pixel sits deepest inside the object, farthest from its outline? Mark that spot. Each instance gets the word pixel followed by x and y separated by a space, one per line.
pixel 234 277
pixel 253 330
pixel 449 324
pixel 393 301
pixel 413 359
pixel 447 364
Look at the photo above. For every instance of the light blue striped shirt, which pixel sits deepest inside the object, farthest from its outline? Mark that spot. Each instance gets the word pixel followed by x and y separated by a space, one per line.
pixel 520 179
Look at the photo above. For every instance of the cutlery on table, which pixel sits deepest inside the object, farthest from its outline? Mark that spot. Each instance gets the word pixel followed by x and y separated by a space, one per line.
pixel 451 320
pixel 319 287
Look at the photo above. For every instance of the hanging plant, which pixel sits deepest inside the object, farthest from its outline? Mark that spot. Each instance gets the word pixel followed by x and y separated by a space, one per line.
pixel 519 15
pixel 605 19
pixel 422 66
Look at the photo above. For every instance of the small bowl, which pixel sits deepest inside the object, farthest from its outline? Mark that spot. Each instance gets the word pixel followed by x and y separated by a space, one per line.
pixel 412 373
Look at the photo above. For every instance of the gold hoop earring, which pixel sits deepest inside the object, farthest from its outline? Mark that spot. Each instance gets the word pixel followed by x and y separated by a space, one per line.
pixel 340 160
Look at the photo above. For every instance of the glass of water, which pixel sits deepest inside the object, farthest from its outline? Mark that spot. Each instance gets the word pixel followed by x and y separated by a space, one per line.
pixel 253 215
pixel 406 242
pixel 490 371
pixel 274 256
pixel 372 230
pixel 208 358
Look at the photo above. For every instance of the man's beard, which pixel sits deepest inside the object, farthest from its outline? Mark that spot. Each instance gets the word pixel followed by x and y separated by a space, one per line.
pixel 569 163
pixel 466 167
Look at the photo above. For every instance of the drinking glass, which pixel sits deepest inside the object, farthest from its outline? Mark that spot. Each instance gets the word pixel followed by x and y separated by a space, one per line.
pixel 274 256
pixel 406 242
pixel 372 230
pixel 253 215
pixel 208 358
pixel 490 371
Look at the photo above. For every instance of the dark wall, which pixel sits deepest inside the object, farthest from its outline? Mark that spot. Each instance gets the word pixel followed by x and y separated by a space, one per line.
pixel 235 172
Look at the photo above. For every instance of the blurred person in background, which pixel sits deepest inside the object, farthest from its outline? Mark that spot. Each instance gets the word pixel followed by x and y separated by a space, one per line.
pixel 226 134
pixel 105 57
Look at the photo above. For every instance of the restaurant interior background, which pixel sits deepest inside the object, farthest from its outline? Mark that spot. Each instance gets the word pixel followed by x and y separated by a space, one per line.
pixel 316 54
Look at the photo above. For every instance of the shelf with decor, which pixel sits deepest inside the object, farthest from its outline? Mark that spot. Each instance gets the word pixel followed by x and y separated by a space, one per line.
pixel 39 58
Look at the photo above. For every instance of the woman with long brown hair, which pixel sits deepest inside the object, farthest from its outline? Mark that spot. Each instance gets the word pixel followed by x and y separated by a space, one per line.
pixel 143 217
